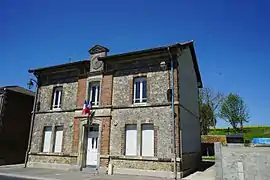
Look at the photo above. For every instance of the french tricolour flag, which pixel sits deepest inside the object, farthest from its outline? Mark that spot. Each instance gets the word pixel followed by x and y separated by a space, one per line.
pixel 87 107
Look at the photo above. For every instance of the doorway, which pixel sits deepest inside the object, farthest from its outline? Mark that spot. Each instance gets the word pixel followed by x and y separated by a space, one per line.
pixel 92 142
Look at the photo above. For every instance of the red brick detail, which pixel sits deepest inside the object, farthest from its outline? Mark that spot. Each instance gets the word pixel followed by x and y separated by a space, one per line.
pixel 76 134
pixel 81 93
pixel 123 139
pixel 106 90
pixel 104 162
pixel 130 86
pixel 155 139
pixel 143 121
pixel 176 85
pixel 105 136
pixel 65 129
pixel 177 129
pixel 148 90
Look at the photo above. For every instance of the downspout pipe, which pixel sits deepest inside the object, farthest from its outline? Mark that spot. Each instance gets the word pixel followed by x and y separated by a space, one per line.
pixel 173 119
pixel 31 124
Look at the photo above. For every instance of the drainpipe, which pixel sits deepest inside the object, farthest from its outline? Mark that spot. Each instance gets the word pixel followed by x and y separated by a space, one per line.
pixel 31 126
pixel 173 119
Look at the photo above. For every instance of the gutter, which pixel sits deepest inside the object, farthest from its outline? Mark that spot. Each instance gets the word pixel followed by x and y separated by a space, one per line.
pixel 173 119
pixel 31 126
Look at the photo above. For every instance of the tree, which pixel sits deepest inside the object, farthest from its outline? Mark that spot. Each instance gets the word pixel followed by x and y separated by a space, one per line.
pixel 206 118
pixel 234 111
pixel 209 102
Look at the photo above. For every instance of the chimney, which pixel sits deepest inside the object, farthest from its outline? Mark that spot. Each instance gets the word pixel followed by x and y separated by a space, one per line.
pixel 96 52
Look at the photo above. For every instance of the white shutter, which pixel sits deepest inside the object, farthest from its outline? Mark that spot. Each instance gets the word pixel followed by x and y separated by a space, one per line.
pixel 131 140
pixel 47 139
pixel 147 140
pixel 58 139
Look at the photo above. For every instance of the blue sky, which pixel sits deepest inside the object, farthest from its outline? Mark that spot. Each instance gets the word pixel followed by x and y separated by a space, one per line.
pixel 232 38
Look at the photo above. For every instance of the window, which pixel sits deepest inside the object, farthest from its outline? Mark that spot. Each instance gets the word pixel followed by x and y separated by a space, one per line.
pixel 131 140
pixel 147 140
pixel 58 139
pixel 57 97
pixel 140 89
pixel 47 139
pixel 94 89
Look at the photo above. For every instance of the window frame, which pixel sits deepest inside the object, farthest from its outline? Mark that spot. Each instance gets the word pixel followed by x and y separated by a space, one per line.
pixel 43 139
pixel 95 84
pixel 141 80
pixel 136 140
pixel 142 137
pixel 56 129
pixel 59 100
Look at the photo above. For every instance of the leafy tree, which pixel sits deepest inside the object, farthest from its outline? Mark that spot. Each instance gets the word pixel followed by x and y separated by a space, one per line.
pixel 209 102
pixel 234 111
pixel 206 118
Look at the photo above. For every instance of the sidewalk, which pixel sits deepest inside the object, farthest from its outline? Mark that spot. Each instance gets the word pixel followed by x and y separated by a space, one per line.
pixel 52 174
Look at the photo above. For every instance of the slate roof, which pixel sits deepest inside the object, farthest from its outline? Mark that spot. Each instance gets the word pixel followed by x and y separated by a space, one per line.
pixel 19 90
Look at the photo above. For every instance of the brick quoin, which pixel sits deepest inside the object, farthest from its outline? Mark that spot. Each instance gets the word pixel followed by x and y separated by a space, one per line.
pixel 76 129
pixel 130 83
pixel 81 94
pixel 105 136
pixel 106 90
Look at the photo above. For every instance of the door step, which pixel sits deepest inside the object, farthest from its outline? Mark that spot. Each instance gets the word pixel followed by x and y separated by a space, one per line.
pixel 92 170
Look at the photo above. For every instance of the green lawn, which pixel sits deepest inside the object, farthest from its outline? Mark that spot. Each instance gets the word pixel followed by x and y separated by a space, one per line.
pixel 249 131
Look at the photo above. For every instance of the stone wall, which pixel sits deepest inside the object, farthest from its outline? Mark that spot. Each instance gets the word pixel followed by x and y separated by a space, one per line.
pixel 236 162
pixel 159 116
pixel 157 86
pixel 143 164
pixel 53 119
pixel 69 96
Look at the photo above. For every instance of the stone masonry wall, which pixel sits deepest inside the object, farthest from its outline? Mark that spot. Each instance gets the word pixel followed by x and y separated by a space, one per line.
pixel 52 119
pixel 69 96
pixel 159 116
pixel 157 86
pixel 236 162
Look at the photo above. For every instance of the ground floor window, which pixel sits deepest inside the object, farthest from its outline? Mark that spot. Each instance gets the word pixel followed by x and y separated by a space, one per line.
pixel 58 139
pixel 52 139
pixel 131 140
pixel 47 138
pixel 147 140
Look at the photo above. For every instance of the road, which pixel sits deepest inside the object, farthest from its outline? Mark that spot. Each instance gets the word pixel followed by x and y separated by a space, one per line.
pixel 11 178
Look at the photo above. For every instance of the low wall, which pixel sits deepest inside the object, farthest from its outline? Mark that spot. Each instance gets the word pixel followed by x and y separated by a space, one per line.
pixel 237 162
pixel 53 161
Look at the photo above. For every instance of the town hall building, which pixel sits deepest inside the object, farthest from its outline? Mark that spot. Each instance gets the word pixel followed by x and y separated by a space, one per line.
pixel 146 112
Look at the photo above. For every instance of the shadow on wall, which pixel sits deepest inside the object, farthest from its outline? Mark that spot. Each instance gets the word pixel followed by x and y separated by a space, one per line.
pixel 205 165
pixel 207 149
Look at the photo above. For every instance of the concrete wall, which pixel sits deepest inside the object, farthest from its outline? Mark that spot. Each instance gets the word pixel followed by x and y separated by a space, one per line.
pixel 189 111
pixel 236 162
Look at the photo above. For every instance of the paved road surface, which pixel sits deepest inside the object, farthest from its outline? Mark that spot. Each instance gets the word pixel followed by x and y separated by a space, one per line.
pixel 11 178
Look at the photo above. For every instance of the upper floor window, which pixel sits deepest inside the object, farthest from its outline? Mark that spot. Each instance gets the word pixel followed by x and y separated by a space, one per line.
pixel 140 90
pixel 94 91
pixel 57 97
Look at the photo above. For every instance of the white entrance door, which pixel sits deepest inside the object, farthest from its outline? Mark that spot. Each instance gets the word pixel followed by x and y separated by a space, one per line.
pixel 92 146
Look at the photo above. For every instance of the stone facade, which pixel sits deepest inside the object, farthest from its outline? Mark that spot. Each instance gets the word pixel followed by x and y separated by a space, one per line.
pixel 115 110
